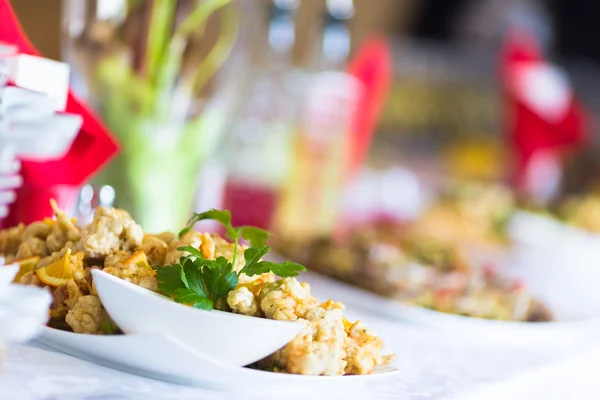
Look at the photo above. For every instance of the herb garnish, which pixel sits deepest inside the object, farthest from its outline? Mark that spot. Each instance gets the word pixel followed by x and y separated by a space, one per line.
pixel 201 283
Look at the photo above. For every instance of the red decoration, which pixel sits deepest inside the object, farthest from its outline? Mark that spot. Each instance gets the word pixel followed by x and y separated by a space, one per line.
pixel 531 129
pixel 60 179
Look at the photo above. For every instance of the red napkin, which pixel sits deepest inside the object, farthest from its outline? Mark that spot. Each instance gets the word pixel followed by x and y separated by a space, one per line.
pixel 544 118
pixel 372 66
pixel 61 179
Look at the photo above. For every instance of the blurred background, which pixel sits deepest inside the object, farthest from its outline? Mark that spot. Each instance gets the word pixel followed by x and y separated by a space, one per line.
pixel 342 125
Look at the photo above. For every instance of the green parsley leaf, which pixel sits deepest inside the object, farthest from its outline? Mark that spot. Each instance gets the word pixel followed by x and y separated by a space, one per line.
pixel 201 282
pixel 256 236
pixel 169 279
pixel 219 278
pixel 222 216
pixel 189 296
pixel 253 265
pixel 192 250
pixel 286 269
pixel 192 276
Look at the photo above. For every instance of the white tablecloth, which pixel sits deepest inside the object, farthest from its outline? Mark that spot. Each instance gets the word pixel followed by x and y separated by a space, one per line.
pixel 433 365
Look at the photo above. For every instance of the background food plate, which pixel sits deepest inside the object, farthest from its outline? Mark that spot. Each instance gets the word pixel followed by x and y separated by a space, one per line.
pixel 161 357
pixel 564 331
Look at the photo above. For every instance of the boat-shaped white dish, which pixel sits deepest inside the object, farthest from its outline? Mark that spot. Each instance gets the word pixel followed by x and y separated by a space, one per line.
pixel 159 356
pixel 233 339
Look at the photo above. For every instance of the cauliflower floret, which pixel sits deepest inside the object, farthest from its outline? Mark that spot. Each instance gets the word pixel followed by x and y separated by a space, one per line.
pixel 155 249
pixel 363 350
pixel 31 247
pixel 242 301
pixel 63 230
pixel 318 349
pixel 138 275
pixel 201 241
pixel 10 240
pixel 87 316
pixel 111 230
pixel 286 299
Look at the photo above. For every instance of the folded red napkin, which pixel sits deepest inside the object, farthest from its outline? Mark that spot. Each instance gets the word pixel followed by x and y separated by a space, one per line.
pixel 543 116
pixel 61 179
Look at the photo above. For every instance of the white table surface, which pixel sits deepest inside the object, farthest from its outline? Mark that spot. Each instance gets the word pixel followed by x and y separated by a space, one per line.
pixel 434 365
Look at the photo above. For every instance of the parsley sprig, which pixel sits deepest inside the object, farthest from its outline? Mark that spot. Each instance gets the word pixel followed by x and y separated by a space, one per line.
pixel 205 283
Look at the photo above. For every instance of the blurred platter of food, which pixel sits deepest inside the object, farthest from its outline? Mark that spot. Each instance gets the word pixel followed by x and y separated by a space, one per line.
pixel 457 258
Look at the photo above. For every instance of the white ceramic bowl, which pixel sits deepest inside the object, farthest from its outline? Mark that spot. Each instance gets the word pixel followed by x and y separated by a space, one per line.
pixel 232 339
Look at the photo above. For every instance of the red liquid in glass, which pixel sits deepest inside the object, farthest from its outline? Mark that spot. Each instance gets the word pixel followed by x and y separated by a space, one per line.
pixel 249 203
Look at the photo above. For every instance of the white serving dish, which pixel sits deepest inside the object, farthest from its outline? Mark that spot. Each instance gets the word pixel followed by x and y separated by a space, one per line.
pixel 160 356
pixel 233 339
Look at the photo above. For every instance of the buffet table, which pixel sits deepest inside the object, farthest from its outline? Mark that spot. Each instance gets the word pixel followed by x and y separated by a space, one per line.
pixel 433 365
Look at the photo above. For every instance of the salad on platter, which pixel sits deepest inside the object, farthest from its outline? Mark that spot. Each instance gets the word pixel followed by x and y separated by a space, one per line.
pixel 200 270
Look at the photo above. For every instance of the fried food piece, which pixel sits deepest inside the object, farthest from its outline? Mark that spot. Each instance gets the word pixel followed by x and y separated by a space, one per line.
pixel 167 237
pixel 38 229
pixel 138 273
pixel 32 247
pixel 10 240
pixel 155 249
pixel 318 349
pixel 286 299
pixel 30 278
pixel 87 315
pixel 110 231
pixel 201 241
pixel 63 231
pixel 242 301
pixel 328 344
pixel 116 258
pixel 363 350
pixel 64 299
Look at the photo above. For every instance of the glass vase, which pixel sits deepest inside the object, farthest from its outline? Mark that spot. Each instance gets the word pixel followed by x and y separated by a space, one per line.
pixel 147 69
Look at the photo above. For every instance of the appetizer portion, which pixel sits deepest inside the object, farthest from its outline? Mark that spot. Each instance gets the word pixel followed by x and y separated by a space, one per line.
pixel 199 270
pixel 392 261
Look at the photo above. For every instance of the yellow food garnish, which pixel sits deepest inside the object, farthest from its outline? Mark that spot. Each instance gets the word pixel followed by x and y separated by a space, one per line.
pixel 57 273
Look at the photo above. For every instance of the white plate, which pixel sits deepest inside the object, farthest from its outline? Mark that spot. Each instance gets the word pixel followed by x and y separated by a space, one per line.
pixel 513 333
pixel 162 357
pixel 234 339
